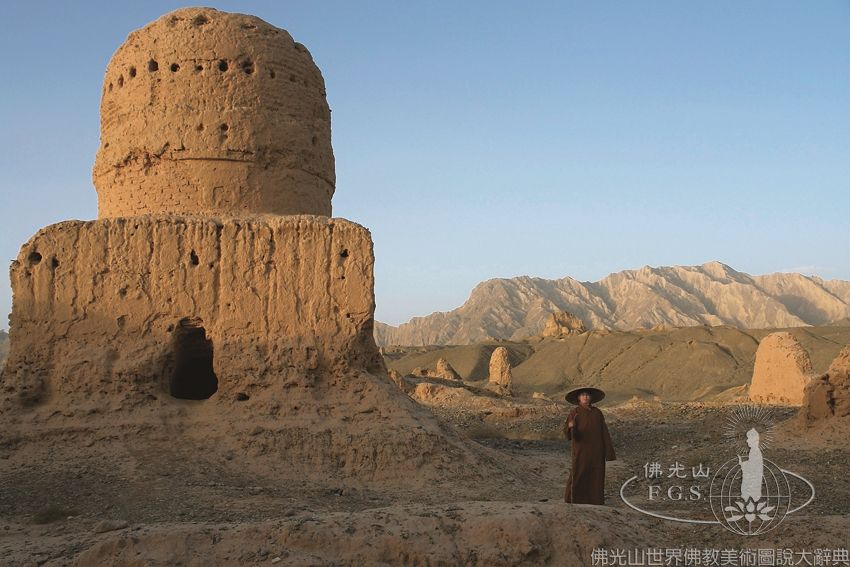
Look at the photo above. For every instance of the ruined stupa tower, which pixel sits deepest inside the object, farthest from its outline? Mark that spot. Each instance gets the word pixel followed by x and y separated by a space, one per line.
pixel 204 112
pixel 214 270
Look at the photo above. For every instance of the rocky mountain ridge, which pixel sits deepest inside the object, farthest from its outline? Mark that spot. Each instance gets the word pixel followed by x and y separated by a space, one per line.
pixel 668 296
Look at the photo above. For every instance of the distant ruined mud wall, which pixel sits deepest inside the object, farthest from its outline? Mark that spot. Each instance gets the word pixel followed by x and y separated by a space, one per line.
pixel 781 371
pixel 828 395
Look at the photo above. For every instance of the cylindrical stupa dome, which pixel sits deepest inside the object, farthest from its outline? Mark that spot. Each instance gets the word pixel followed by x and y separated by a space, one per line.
pixel 211 113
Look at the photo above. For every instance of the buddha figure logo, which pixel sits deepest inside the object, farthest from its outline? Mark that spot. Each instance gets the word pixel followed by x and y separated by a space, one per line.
pixel 763 496
pixel 748 494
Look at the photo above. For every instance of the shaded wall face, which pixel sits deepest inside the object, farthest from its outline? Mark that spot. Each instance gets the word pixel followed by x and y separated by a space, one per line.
pixel 100 307
pixel 828 395
pixel 204 112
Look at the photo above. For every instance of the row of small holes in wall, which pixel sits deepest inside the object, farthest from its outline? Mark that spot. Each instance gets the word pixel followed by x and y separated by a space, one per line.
pixel 223 128
pixel 246 65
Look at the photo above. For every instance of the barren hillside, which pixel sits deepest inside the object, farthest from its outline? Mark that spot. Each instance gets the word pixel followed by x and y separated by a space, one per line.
pixel 678 296
pixel 690 363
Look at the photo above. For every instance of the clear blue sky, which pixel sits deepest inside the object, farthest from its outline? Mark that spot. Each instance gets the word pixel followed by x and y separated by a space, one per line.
pixel 496 139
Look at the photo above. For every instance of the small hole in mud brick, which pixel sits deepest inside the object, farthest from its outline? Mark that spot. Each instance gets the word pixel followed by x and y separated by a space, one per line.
pixel 153 66
pixel 344 253
pixel 314 140
pixel 199 68
pixel 54 262
pixel 271 74
pixel 123 292
pixel 194 258
pixel 120 80
pixel 222 65
pixel 34 258
pixel 248 66
pixel 242 397
pixel 200 20
pixel 200 128
pixel 224 127
pixel 193 377
pixel 175 67
pixel 132 72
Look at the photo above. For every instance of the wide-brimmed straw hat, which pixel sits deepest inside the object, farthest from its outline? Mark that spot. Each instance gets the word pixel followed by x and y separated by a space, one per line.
pixel 595 394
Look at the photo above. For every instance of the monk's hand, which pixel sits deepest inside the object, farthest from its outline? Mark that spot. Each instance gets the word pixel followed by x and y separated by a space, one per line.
pixel 571 424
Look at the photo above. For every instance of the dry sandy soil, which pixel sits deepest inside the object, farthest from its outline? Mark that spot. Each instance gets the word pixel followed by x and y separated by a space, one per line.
pixel 111 495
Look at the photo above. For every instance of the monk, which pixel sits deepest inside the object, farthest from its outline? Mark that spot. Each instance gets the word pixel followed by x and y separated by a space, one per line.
pixel 591 447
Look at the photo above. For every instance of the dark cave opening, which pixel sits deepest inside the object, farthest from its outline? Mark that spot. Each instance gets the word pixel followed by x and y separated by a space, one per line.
pixel 193 377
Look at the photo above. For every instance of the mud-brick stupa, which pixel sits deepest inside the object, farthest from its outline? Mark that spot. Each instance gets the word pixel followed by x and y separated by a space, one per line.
pixel 215 307
pixel 214 269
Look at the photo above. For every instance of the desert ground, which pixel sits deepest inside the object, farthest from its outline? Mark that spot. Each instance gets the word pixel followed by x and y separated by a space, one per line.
pixel 142 493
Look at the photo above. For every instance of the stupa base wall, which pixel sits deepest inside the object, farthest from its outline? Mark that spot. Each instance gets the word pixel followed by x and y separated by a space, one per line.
pixel 125 310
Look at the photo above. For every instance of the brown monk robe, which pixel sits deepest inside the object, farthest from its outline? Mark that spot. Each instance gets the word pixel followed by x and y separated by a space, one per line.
pixel 591 447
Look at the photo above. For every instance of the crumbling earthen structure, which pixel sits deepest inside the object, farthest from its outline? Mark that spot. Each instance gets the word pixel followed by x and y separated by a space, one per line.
pixel 445 370
pixel 139 306
pixel 204 112
pixel 781 372
pixel 182 288
pixel 500 379
pixel 214 299
pixel 828 395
